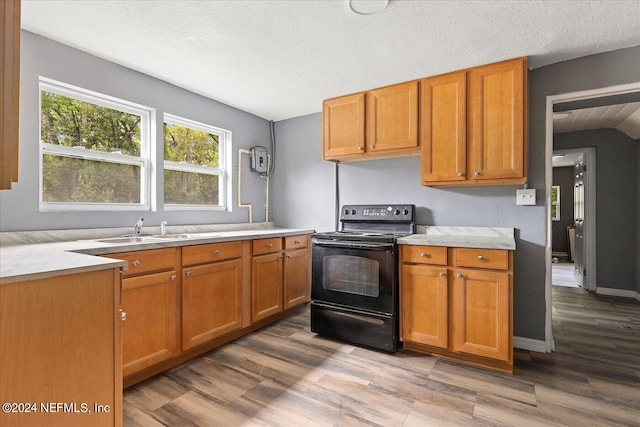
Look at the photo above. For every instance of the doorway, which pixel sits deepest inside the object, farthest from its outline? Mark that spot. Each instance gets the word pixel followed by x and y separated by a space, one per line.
pixel 590 259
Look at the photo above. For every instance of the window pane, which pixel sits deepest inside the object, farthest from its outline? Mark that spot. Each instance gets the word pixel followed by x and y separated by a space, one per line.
pixel 74 123
pixel 188 188
pixel 184 144
pixel 71 180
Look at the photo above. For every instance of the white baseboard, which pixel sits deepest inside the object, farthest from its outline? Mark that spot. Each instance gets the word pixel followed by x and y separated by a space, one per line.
pixel 618 293
pixel 529 344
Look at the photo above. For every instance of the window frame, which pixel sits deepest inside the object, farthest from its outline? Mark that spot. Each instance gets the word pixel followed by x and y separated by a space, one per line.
pixel 144 161
pixel 223 171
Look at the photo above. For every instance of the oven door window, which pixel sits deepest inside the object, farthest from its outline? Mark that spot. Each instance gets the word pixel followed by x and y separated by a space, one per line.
pixel 352 275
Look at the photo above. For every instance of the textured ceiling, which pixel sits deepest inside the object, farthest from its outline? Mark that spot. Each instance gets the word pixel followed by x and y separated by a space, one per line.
pixel 280 59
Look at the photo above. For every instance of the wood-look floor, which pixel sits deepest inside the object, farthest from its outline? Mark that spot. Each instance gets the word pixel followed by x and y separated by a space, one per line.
pixel 284 375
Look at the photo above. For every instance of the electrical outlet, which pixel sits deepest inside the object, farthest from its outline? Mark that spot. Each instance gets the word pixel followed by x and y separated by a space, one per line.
pixel 526 197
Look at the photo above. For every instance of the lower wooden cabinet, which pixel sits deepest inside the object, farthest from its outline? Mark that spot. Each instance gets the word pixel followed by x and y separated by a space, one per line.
pixel 150 331
pixel 463 313
pixel 425 314
pixel 481 308
pixel 60 342
pixel 266 285
pixel 211 301
pixel 297 277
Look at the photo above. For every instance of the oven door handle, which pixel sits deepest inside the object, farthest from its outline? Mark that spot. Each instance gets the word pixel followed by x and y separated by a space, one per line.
pixel 353 245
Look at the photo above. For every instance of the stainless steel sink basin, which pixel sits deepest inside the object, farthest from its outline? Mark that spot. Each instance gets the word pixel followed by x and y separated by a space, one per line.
pixel 132 239
pixel 180 236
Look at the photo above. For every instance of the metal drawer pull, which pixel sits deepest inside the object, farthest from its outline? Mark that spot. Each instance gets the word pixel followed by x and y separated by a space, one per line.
pixel 188 274
pixel 442 274
pixel 270 245
pixel 477 174
pixel 216 252
pixel 423 255
pixel 459 275
pixel 123 315
pixel 296 242
pixel 136 263
pixel 480 258
pixel 173 277
pixel 460 173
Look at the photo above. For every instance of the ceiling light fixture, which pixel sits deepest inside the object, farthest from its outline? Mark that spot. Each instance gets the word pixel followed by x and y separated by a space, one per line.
pixel 561 115
pixel 367 7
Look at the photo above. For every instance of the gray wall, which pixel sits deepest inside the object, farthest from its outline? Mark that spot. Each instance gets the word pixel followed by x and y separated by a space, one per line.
pixel 616 202
pixel 398 180
pixel 44 57
pixel 563 176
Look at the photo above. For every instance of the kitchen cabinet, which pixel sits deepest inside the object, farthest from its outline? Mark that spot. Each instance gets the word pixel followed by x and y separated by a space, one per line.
pixel 60 342
pixel 9 92
pixel 457 303
pixel 266 278
pixel 281 275
pixel 211 292
pixel 380 123
pixel 150 303
pixel 473 126
pixel 297 271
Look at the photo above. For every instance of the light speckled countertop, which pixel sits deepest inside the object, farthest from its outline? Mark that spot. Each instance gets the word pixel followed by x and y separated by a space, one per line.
pixel 462 237
pixel 42 254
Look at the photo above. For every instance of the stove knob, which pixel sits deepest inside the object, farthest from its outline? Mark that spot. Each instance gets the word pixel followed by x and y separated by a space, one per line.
pixel 406 211
pixel 397 211
pixel 353 212
pixel 346 211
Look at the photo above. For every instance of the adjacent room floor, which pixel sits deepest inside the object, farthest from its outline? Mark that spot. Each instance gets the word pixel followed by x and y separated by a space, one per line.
pixel 284 375
pixel 562 275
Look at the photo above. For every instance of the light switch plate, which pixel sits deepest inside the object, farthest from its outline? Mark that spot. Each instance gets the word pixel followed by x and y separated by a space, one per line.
pixel 526 197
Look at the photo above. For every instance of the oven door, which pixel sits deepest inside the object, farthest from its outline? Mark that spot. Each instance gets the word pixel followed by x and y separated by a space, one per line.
pixel 358 275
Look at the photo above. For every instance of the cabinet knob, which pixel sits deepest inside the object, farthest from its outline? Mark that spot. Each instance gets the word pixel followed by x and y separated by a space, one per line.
pixel 188 274
pixel 372 146
pixel 480 258
pixel 281 256
pixel 289 256
pixel 173 277
pixel 442 274
pixel 477 174
pixel 459 275
pixel 460 173
pixel 136 263
pixel 296 242
pixel 123 315
pixel 270 245
pixel 360 149
pixel 423 255
pixel 216 252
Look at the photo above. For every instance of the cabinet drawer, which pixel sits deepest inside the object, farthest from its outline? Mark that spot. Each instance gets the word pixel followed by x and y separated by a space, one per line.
pixel 424 254
pixel 496 259
pixel 296 242
pixel 201 254
pixel 146 261
pixel 266 246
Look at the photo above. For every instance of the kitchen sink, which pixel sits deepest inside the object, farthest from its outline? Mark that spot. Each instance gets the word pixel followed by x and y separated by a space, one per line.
pixel 128 239
pixel 180 236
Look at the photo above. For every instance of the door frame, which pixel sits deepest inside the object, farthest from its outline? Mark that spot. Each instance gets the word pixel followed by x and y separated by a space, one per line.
pixel 550 101
pixel 589 155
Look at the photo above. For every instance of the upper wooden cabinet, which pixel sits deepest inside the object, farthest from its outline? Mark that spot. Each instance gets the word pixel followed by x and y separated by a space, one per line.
pixel 473 126
pixel 380 123
pixel 9 91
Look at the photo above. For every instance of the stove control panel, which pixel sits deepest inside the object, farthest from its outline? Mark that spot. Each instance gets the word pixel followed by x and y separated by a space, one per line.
pixel 395 213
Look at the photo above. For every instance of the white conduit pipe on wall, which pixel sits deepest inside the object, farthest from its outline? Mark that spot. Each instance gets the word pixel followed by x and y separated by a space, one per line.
pixel 240 205
pixel 266 192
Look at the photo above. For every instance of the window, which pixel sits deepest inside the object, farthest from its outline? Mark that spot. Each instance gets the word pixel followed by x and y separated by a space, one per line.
pixel 195 164
pixel 94 151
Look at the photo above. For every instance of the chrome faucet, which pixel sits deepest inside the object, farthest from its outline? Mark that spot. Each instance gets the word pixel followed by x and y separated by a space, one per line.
pixel 137 228
pixel 163 228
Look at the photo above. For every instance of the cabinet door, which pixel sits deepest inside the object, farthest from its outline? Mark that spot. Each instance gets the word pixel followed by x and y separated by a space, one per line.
pixel 211 301
pixel 266 286
pixel 149 334
pixel 392 118
pixel 496 130
pixel 424 305
pixel 296 277
pixel 343 126
pixel 481 313
pixel 443 128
